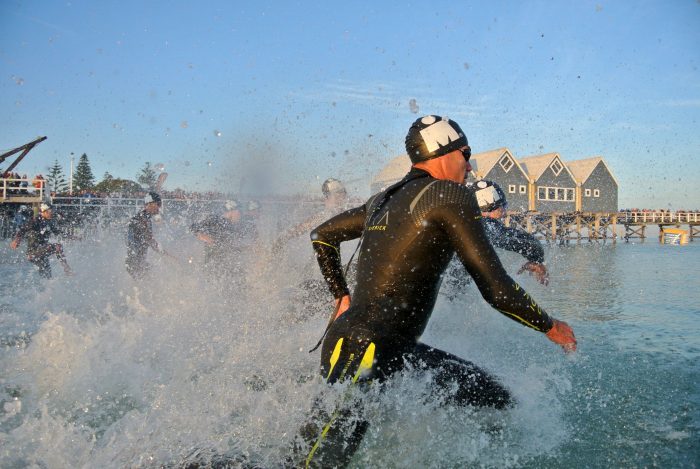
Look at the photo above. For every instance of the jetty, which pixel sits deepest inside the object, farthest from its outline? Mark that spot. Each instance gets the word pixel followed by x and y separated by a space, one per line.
pixel 580 226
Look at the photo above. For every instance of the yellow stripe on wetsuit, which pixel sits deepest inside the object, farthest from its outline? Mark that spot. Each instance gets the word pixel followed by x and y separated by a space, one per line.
pixel 335 356
pixel 326 244
pixel 365 364
pixel 521 320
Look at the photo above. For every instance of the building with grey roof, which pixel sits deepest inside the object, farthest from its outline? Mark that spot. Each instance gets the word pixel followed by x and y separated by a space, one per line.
pixel 552 186
pixel 596 187
pixel 501 167
pixel 542 183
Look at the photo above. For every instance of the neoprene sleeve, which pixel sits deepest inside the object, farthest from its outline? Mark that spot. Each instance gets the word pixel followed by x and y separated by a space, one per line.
pixel 407 242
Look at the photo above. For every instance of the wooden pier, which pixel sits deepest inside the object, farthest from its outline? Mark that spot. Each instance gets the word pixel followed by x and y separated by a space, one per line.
pixel 566 227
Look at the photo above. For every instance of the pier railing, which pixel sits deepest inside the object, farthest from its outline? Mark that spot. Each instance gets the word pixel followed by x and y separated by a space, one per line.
pixel 21 190
pixel 658 217
pixel 561 227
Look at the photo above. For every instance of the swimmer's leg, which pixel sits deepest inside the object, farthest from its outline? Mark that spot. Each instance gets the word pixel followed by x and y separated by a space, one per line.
pixel 57 249
pixel 40 258
pixel 331 440
pixel 462 382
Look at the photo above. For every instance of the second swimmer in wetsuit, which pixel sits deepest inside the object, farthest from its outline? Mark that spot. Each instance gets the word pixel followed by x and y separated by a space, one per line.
pixel 409 234
pixel 492 204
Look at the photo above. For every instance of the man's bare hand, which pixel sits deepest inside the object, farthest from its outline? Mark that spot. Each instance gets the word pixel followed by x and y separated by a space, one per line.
pixel 562 334
pixel 341 305
pixel 538 270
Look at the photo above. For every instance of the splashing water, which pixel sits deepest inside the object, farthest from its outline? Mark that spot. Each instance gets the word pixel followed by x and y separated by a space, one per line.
pixel 100 371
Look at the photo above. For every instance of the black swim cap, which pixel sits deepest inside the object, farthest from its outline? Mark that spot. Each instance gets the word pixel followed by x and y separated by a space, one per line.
pixel 433 136
pixel 152 197
pixel 489 195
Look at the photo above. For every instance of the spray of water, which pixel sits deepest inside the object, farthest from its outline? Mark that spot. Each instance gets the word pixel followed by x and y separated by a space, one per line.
pixel 191 364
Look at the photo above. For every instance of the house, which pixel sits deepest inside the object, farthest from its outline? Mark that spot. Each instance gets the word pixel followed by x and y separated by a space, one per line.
pixel 501 167
pixel 596 187
pixel 552 185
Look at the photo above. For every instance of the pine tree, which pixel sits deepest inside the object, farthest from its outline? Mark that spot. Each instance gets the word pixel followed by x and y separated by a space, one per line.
pixel 55 180
pixel 83 178
pixel 147 176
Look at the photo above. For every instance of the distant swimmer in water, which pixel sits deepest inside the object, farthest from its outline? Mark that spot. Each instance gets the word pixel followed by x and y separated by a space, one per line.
pixel 310 295
pixel 334 200
pixel 408 235
pixel 139 237
pixel 224 238
pixel 37 231
pixel 492 204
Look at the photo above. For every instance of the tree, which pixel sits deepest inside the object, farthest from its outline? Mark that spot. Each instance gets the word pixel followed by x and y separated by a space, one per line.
pixel 55 180
pixel 112 185
pixel 147 176
pixel 83 178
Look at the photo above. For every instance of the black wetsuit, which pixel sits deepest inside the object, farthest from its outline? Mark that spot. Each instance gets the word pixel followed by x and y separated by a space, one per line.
pixel 409 234
pixel 38 230
pixel 139 237
pixel 223 254
pixel 500 236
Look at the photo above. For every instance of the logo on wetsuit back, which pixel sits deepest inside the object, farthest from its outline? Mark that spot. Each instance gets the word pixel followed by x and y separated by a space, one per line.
pixel 381 224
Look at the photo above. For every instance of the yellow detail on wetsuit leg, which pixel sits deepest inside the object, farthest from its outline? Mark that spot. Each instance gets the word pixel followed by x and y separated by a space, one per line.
pixel 334 356
pixel 365 364
pixel 367 361
pixel 320 438
pixel 335 413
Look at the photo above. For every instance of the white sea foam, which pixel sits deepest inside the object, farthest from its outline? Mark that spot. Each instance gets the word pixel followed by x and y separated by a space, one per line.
pixel 120 374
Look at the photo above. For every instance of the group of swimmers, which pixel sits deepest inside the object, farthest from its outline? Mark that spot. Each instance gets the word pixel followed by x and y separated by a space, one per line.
pixel 409 234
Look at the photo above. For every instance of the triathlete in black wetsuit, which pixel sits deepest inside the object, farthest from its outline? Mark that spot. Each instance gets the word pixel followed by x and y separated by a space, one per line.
pixel 139 237
pixel 38 231
pixel 220 234
pixel 492 204
pixel 409 234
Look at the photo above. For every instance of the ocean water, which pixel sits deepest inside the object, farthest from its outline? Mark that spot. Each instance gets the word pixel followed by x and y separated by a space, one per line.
pixel 97 370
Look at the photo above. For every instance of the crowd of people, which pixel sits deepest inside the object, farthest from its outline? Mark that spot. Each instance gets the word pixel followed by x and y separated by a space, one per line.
pixel 427 227
pixel 16 184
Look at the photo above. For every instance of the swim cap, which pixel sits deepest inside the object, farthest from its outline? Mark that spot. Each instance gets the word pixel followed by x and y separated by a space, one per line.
pixel 230 205
pixel 253 205
pixel 332 186
pixel 433 136
pixel 152 197
pixel 489 195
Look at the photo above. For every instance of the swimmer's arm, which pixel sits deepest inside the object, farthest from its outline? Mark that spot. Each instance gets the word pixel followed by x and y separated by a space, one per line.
pixel 14 244
pixel 326 239
pixel 515 240
pixel 461 222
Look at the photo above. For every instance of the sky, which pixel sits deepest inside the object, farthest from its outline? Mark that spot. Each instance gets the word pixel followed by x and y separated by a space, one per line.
pixel 277 96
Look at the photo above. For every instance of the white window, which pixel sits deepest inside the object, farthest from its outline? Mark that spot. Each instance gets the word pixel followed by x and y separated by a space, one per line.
pixel 559 194
pixel 506 163
pixel 556 167
pixel 596 193
pixel 587 193
pixel 511 188
pixel 523 189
